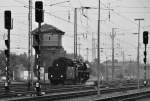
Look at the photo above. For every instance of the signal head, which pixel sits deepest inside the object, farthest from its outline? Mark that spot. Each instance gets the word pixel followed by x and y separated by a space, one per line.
pixel 7 17
pixel 39 17
pixel 145 37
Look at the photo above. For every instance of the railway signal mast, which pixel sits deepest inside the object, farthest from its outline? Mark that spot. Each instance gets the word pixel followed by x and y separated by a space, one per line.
pixel 145 42
pixel 8 26
pixel 39 18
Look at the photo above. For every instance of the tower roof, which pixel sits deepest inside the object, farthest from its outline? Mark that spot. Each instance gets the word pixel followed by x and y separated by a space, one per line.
pixel 46 28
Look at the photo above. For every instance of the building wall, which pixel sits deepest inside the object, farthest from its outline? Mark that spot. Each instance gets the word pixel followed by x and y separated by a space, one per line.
pixel 50 39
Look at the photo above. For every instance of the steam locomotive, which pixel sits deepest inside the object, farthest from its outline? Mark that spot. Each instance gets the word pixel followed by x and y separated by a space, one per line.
pixel 68 71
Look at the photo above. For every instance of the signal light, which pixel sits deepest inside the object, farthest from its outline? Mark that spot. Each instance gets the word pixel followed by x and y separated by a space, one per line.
pixel 6 53
pixel 7 19
pixel 145 37
pixel 145 60
pixel 7 43
pixel 39 17
pixel 145 53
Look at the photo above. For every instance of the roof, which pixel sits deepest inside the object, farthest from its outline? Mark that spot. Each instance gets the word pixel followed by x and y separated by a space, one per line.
pixel 46 28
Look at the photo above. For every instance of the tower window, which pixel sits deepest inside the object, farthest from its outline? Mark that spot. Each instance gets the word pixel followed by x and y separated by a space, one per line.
pixel 49 38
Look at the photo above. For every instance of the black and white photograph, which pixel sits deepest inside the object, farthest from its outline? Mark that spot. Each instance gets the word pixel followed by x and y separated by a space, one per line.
pixel 74 50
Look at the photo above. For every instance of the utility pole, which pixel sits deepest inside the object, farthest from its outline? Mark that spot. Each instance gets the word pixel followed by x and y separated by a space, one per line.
pixel 98 52
pixel 30 72
pixel 87 53
pixel 75 30
pixel 112 37
pixel 79 48
pixel 106 70
pixel 138 53
pixel 75 33
pixel 109 12
pixel 93 47
pixel 123 58
pixel 132 73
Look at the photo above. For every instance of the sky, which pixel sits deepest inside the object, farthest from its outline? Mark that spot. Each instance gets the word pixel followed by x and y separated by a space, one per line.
pixel 119 14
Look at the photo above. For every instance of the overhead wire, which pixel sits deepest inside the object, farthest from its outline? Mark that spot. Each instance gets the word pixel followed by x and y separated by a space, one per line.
pixel 119 14
pixel 124 17
pixel 20 2
pixel 144 5
pixel 57 17
pixel 72 22
pixel 52 14
pixel 81 5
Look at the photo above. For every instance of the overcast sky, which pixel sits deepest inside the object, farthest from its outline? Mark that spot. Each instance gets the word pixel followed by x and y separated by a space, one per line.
pixel 122 15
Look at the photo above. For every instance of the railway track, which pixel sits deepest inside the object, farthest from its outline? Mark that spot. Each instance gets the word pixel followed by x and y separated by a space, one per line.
pixel 21 90
pixel 61 94
pixel 70 94
pixel 16 92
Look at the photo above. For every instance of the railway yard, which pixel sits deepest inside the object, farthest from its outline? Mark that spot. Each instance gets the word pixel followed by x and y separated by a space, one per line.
pixel 67 54
pixel 20 92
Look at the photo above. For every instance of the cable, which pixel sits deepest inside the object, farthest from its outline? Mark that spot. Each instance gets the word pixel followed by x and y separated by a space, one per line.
pixel 120 14
pixel 60 18
pixel 53 15
pixel 132 7
pixel 125 17
pixel 128 43
pixel 11 6
pixel 59 3
pixel 19 2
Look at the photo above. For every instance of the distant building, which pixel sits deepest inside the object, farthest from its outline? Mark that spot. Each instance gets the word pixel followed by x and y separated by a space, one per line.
pixel 50 44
